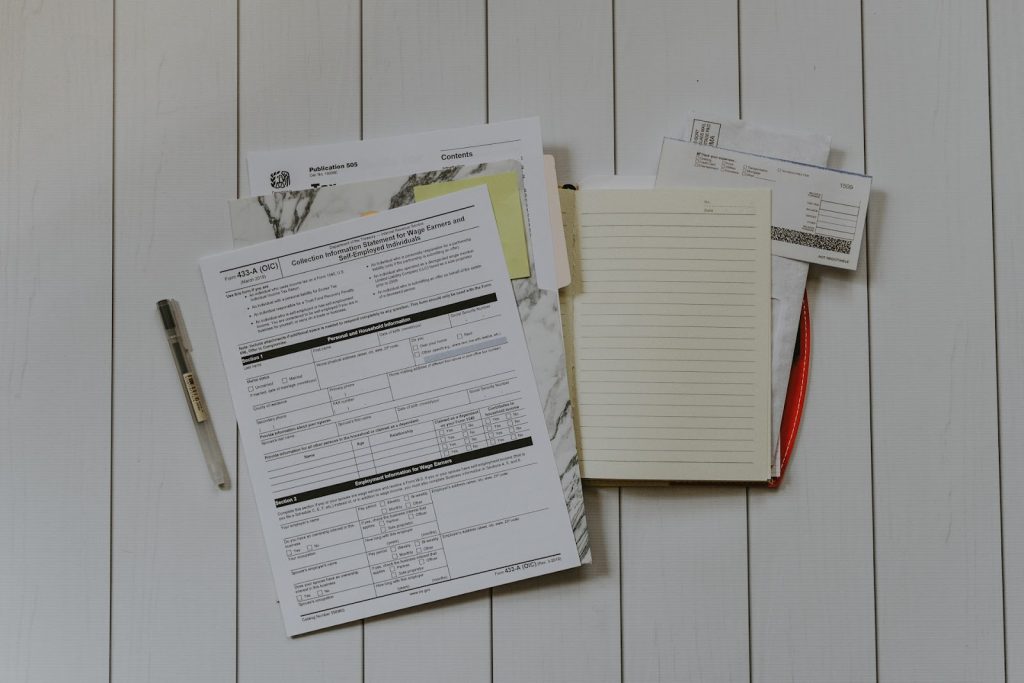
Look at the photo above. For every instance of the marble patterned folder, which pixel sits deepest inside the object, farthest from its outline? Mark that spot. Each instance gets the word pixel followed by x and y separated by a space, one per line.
pixel 280 214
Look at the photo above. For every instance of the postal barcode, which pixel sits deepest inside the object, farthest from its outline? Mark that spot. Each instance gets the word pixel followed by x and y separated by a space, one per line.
pixel 809 239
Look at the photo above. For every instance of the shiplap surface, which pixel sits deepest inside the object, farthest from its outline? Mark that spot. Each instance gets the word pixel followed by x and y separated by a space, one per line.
pixel 893 552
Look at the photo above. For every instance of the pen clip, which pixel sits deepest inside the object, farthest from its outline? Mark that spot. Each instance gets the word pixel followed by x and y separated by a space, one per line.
pixel 170 311
pixel 182 330
pixel 183 338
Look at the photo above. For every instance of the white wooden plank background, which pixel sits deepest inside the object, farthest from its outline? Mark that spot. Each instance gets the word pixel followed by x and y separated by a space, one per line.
pixel 932 330
pixel 174 540
pixel 894 551
pixel 55 340
pixel 1006 21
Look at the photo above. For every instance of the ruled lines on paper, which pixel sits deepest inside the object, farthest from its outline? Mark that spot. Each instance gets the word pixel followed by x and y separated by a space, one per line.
pixel 672 343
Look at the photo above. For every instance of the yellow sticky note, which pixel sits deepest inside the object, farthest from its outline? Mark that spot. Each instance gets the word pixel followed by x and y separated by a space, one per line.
pixel 508 213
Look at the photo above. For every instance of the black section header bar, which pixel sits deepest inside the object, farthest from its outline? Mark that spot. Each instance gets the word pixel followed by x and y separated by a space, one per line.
pixel 401 472
pixel 369 329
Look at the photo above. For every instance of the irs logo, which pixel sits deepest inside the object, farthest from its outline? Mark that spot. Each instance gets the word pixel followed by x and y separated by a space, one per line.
pixel 280 180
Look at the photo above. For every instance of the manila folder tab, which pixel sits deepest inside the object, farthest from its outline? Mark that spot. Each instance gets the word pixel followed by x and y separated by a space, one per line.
pixel 672 334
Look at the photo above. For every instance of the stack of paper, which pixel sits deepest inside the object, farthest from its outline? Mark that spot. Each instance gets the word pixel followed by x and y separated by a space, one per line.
pixel 341 389
pixel 364 180
pixel 393 337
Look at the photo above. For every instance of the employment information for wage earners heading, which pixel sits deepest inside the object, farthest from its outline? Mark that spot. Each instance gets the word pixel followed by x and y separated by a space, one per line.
pixel 389 418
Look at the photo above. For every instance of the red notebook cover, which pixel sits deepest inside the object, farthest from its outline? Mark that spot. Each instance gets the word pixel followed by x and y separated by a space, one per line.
pixel 796 394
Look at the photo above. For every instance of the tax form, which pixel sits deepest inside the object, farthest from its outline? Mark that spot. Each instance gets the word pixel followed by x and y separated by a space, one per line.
pixel 281 214
pixel 388 412
pixel 301 168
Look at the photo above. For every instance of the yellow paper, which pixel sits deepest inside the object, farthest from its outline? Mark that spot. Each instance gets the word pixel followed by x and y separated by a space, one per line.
pixel 508 214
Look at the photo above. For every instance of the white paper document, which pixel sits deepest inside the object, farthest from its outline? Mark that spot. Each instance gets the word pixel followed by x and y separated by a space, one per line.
pixel 301 168
pixel 283 214
pixel 716 131
pixel 388 412
pixel 818 213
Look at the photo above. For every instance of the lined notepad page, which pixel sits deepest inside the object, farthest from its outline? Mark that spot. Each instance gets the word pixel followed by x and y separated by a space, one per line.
pixel 671 329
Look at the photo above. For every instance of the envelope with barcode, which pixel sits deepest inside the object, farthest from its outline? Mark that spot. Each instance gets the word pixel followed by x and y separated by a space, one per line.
pixel 818 213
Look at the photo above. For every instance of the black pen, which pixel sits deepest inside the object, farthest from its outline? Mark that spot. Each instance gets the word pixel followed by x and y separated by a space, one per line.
pixel 177 339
